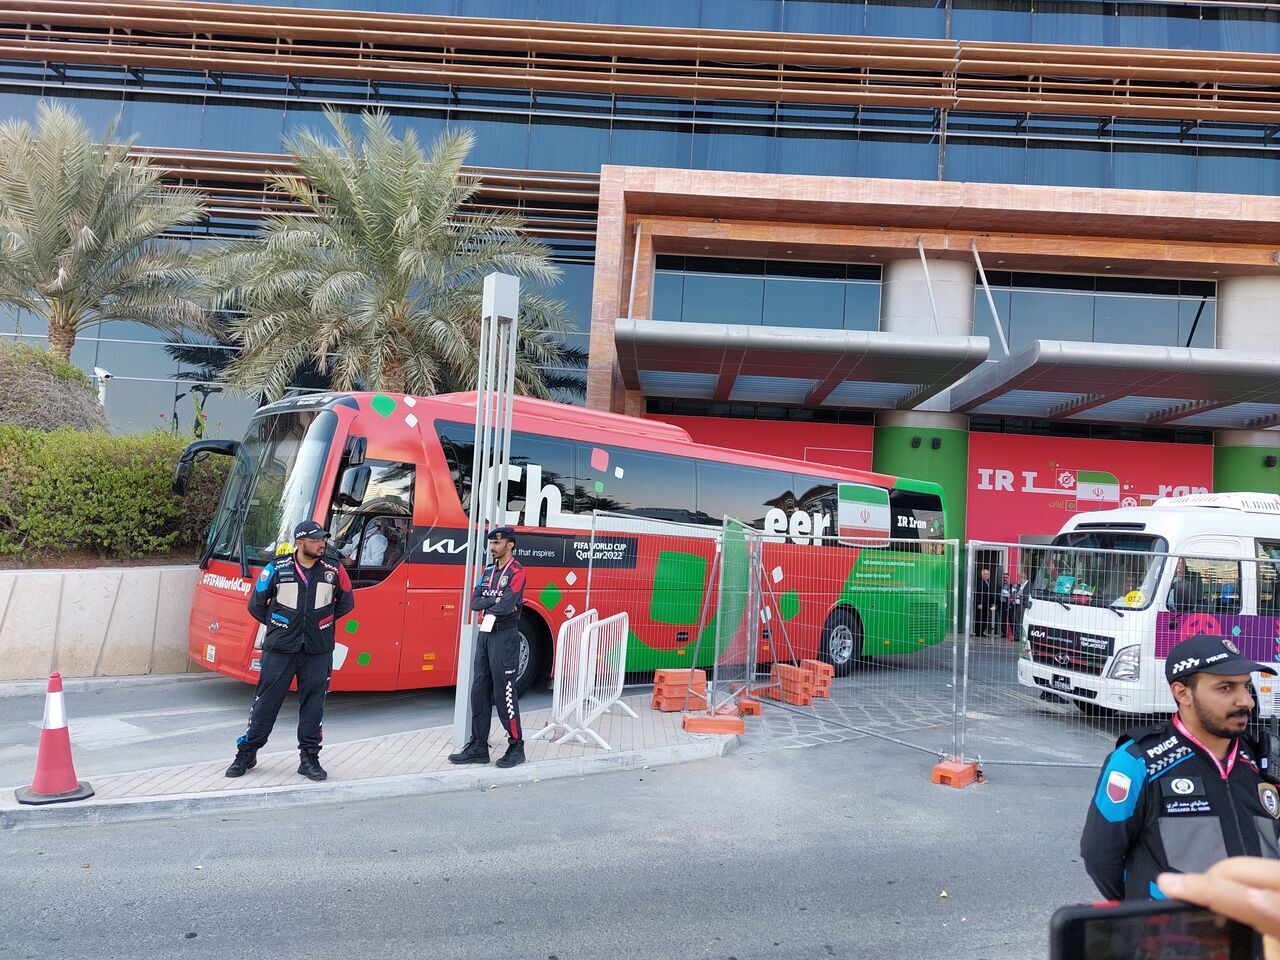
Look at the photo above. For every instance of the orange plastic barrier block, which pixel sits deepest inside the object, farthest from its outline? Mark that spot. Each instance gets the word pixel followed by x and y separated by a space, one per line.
pixel 679 690
pixel 824 692
pixel 748 708
pixel 818 668
pixel 798 699
pixel 785 671
pixel 720 723
pixel 952 773
pixel 676 704
pixel 674 676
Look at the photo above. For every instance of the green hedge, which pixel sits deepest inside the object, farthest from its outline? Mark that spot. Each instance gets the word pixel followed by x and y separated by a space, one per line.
pixel 68 492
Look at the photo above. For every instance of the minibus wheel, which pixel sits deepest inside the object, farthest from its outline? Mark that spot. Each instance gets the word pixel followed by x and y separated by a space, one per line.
pixel 841 640
pixel 532 654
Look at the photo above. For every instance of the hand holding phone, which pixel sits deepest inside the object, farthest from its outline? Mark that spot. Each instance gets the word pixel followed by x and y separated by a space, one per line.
pixel 1243 888
pixel 1148 930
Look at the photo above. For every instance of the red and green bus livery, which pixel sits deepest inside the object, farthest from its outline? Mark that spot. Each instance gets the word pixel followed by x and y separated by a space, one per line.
pixel 390 477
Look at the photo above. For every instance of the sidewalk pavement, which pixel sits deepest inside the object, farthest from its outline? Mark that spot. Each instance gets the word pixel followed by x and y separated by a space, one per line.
pixel 412 762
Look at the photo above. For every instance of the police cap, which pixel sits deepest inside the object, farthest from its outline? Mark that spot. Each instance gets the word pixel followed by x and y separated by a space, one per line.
pixel 502 533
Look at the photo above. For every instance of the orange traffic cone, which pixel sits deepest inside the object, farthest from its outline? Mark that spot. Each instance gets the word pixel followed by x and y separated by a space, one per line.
pixel 55 780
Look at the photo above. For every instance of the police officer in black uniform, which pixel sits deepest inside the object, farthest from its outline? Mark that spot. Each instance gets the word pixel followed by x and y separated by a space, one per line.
pixel 499 595
pixel 299 597
pixel 1181 795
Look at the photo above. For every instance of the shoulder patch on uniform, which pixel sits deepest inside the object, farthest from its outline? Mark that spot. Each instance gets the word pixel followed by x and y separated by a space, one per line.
pixel 1270 797
pixel 1119 786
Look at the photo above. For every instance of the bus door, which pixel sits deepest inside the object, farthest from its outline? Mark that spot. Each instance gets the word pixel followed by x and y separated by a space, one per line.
pixel 373 541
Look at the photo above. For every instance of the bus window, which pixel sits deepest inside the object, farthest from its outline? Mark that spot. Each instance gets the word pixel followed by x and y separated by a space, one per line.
pixel 1268 561
pixel 1205 585
pixel 635 483
pixel 916 516
pixel 372 538
pixel 742 493
pixel 548 462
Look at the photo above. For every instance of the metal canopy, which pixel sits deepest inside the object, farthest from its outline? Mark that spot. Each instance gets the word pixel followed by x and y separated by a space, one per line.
pixel 1128 383
pixel 784 365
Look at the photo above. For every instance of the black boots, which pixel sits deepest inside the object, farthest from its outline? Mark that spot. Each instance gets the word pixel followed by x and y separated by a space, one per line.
pixel 514 755
pixel 310 767
pixel 245 761
pixel 477 751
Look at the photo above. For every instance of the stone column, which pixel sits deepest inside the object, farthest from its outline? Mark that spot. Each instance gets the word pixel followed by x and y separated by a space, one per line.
pixel 1248 319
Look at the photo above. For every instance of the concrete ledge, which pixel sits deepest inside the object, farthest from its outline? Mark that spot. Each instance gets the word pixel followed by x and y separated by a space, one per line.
pixel 31 688
pixel 102 622
pixel 14 817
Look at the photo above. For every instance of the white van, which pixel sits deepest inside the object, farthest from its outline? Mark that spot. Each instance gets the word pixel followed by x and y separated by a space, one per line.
pixel 1117 589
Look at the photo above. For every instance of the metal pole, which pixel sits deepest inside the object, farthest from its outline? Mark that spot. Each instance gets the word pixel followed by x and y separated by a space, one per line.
pixel 928 285
pixel 954 587
pixel 964 692
pixel 495 380
pixel 635 267
pixel 991 303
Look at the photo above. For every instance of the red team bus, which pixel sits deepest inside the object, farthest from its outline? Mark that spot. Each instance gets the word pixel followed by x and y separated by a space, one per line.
pixel 404 536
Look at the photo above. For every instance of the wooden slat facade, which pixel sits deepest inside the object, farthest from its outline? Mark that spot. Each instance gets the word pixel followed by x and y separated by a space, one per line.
pixel 646 61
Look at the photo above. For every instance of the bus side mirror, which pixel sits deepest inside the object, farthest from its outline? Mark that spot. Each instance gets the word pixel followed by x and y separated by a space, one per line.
pixel 181 476
pixel 352 487
pixel 356 449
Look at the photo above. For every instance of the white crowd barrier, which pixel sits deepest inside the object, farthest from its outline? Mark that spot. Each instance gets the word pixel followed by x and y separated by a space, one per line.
pixel 604 672
pixel 567 676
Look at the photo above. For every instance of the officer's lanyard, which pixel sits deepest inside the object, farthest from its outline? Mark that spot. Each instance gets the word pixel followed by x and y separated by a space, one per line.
pixel 496 572
pixel 306 584
pixel 1231 757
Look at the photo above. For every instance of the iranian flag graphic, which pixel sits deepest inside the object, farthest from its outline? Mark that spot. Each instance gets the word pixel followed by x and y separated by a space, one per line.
pixel 1097 486
pixel 864 512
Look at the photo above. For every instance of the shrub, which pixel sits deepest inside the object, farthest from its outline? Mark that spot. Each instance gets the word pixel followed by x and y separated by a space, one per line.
pixel 44 392
pixel 70 492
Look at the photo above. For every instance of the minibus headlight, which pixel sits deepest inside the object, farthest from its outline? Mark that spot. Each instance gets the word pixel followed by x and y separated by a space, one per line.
pixel 1025 645
pixel 1126 665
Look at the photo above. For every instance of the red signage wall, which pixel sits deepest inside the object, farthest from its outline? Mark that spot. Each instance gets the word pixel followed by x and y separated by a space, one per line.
pixel 1022 485
pixel 845 445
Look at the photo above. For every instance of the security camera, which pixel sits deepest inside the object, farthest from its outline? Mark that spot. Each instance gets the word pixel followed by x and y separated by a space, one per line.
pixel 102 374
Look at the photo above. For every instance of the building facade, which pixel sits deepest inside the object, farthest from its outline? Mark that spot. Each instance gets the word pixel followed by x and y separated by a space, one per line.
pixel 1028 248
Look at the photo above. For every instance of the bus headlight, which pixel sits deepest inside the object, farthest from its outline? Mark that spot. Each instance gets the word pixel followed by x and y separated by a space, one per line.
pixel 1025 646
pixel 1126 665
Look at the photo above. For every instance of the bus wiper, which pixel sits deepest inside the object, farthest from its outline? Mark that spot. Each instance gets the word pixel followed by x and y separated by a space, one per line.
pixel 238 508
pixel 1119 613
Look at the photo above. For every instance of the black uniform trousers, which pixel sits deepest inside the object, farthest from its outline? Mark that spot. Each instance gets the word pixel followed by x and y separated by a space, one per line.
pixel 278 670
pixel 493 681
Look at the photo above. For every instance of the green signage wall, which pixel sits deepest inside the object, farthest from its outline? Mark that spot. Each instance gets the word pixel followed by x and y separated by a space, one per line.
pixel 892 452
pixel 1244 469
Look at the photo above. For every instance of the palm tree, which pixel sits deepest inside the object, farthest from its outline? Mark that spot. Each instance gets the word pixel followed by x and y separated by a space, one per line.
pixel 80 231
pixel 380 283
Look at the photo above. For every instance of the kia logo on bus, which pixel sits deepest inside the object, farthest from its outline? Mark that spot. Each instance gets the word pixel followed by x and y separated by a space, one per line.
pixel 213 626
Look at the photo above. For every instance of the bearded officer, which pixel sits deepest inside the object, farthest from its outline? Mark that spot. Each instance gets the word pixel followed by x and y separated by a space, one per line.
pixel 299 597
pixel 498 596
pixel 1181 795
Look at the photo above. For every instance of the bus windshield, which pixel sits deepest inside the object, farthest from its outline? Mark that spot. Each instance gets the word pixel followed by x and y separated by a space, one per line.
pixel 273 484
pixel 1088 576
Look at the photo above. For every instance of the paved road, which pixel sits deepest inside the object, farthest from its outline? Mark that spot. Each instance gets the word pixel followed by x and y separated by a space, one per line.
pixel 841 850
pixel 117 729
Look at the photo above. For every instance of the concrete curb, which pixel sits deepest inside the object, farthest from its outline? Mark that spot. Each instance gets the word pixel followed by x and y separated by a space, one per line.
pixel 346 791
pixel 31 688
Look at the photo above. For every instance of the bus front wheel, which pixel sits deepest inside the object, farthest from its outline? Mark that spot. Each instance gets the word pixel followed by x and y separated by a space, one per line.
pixel 841 640
pixel 532 653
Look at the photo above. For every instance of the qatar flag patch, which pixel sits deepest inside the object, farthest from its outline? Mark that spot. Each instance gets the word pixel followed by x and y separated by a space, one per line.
pixel 1118 787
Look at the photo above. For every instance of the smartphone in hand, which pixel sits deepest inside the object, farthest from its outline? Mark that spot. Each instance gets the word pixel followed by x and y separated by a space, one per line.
pixel 1148 930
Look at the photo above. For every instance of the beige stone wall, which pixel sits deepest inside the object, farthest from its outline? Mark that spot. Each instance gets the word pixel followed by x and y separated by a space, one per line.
pixel 105 622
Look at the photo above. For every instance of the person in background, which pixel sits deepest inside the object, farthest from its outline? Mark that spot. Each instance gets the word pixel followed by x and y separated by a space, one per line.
pixel 372 544
pixel 1006 612
pixel 1184 794
pixel 1017 607
pixel 984 599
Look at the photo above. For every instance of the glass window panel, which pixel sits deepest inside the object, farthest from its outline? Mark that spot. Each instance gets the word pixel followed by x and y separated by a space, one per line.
pixel 906 18
pixel 651 144
pixel 1006 20
pixel 824 16
pixel 985 160
pixel 229 125
pixel 95 108
pixel 742 493
pixel 16 320
pixel 18 106
pixel 668 294
pixel 163 123
pixel 1241 28
pixel 804 303
pixel 568 143
pixel 898 156
pixel 580 11
pixel 862 306
pixel 660 13
pixel 575 289
pixel 1065 164
pixel 714 299
pixel 426 127
pixel 816 152
pixel 742 14
pixel 1152 320
pixel 1153 168
pixel 1201 333
pixel 1238 171
pixel 1068 21
pixel 134 406
pixel 438 7
pixel 499 142
pixel 1158 25
pixel 650 486
pixel 1048 316
pixel 732 148
pixel 502 9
